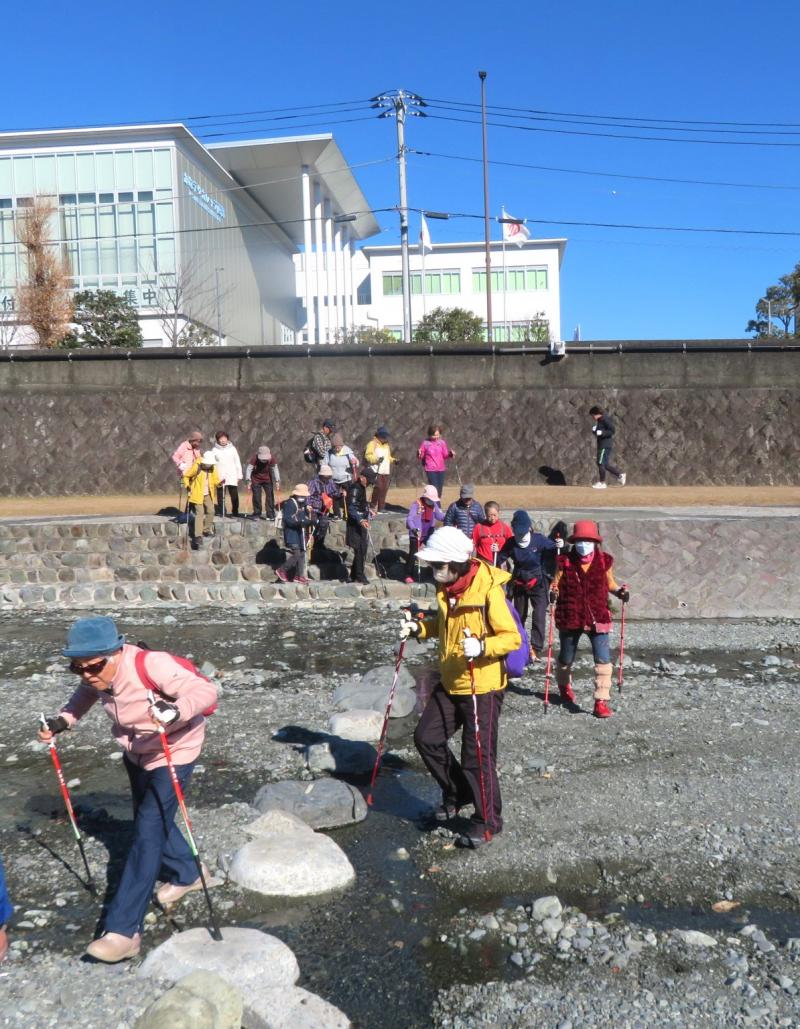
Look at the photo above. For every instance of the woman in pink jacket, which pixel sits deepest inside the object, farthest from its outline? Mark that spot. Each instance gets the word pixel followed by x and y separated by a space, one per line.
pixel 434 454
pixel 106 665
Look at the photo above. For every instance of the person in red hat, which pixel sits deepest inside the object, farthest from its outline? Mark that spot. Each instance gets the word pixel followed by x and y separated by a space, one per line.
pixel 584 578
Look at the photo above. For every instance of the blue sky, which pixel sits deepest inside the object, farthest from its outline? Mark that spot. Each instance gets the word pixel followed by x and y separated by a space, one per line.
pixel 715 61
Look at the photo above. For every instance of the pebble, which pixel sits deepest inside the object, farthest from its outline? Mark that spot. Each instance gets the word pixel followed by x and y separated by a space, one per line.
pixel 73 784
pixel 240 660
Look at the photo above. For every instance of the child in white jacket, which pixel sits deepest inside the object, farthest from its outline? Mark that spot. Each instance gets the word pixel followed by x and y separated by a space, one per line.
pixel 229 469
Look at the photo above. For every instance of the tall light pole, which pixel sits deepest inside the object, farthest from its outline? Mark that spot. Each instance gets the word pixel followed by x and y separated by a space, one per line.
pixel 486 228
pixel 219 307
pixel 400 104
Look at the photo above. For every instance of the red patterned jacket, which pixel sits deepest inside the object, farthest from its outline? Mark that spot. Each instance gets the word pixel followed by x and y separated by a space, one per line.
pixel 583 596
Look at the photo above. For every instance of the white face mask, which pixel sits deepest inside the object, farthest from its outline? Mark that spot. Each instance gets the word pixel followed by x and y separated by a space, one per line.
pixel 523 541
pixel 584 548
pixel 444 575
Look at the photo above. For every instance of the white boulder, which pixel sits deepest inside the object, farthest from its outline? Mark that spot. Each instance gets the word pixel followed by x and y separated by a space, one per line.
pixel 360 725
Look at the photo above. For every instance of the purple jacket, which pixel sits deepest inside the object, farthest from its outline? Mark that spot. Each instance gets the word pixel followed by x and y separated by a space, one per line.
pixel 415 524
pixel 316 489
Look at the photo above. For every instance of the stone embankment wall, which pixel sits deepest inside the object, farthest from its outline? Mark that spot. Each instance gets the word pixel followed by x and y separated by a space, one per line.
pixel 689 567
pixel 99 423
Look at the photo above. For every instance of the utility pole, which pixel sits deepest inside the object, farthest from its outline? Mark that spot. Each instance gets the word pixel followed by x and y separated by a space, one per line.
pixel 486 228
pixel 401 104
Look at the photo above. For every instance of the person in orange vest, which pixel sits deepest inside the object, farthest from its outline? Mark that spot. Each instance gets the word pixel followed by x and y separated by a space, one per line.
pixel 584 578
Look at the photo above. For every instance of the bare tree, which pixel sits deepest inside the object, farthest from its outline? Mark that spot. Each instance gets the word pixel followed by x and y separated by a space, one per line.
pixel 44 294
pixel 187 289
pixel 9 330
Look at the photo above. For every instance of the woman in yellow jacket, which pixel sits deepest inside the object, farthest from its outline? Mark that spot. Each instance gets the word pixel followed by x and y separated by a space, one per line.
pixel 201 481
pixel 470 595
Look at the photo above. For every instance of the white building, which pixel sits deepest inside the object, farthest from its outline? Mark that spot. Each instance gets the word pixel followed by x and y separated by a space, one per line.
pixel 525 285
pixel 193 235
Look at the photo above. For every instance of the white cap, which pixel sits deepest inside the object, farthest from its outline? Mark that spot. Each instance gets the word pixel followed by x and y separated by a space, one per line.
pixel 446 544
pixel 209 457
pixel 325 469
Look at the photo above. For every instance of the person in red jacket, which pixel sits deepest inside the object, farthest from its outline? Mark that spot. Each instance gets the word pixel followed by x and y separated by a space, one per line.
pixel 583 580
pixel 490 535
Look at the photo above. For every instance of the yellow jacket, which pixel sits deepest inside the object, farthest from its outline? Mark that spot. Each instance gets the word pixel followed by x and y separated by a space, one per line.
pixel 482 609
pixel 375 460
pixel 194 482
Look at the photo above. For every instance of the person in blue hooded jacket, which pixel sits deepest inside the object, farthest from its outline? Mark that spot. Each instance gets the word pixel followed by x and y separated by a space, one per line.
pixel 6 911
pixel 529 585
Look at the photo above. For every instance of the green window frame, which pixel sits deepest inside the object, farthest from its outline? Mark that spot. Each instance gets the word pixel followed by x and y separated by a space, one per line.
pixel 479 281
pixel 537 278
pixel 392 284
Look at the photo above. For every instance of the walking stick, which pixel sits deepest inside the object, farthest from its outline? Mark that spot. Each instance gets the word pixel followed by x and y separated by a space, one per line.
pixel 68 805
pixel 621 648
pixel 222 519
pixel 214 930
pixel 386 716
pixel 458 473
pixel 549 660
pixel 487 832
pixel 378 566
pixel 186 533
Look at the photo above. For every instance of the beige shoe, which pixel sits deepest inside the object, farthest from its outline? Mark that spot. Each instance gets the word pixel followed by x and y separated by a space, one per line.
pixel 171 893
pixel 114 947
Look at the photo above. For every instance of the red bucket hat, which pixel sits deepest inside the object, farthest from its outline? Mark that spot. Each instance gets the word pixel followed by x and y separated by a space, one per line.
pixel 585 530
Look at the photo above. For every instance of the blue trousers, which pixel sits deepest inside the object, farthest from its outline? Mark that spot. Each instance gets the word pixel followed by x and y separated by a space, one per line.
pixel 157 843
pixel 436 479
pixel 569 646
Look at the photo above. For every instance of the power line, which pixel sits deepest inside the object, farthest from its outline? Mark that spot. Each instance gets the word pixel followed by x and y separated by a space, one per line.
pixel 269 128
pixel 609 175
pixel 619 117
pixel 618 135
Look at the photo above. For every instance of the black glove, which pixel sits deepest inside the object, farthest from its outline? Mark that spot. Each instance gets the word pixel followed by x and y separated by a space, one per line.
pixel 624 594
pixel 56 724
pixel 552 597
pixel 165 712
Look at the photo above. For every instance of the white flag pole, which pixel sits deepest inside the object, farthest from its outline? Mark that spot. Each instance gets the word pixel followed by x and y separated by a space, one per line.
pixel 505 283
pixel 424 297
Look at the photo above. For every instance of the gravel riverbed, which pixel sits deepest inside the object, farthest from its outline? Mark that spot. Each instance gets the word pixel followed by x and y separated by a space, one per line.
pixel 666 838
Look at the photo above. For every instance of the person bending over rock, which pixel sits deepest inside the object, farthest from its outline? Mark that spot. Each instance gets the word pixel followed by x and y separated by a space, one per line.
pixel 107 668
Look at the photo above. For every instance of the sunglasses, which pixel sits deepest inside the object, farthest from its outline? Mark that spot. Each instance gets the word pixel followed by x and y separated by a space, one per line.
pixel 92 668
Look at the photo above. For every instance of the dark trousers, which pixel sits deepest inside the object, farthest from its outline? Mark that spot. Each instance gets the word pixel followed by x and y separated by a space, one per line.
pixel 233 493
pixel 436 479
pixel 536 599
pixel 321 526
pixel 444 714
pixel 295 563
pixel 604 464
pixel 414 545
pixel 357 539
pixel 266 489
pixel 158 846
pixel 379 491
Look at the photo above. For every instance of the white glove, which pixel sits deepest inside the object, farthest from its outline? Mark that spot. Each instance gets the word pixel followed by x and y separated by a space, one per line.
pixel 473 647
pixel 595 430
pixel 164 712
pixel 409 627
pixel 559 544
pixel 495 548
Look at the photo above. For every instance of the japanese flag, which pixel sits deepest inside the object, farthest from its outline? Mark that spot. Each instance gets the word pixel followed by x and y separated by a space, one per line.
pixel 514 232
pixel 425 245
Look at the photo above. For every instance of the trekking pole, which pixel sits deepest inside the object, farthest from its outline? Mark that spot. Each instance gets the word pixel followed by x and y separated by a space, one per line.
pixel 378 566
pixel 214 930
pixel 186 533
pixel 222 519
pixel 68 805
pixel 458 473
pixel 549 660
pixel 621 648
pixel 487 832
pixel 387 713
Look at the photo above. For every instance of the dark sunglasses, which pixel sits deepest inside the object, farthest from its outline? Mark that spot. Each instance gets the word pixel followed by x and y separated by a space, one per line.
pixel 93 668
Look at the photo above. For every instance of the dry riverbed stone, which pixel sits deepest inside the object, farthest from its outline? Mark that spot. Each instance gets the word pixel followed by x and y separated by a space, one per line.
pixel 322 804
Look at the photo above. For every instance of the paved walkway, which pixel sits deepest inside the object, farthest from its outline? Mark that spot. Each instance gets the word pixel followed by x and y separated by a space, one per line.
pixel 644 501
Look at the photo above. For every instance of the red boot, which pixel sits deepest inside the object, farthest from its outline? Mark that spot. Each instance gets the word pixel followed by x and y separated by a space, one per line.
pixel 601 709
pixel 566 692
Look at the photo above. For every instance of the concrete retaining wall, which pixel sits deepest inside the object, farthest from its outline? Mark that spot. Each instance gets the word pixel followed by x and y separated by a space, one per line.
pixel 97 424
pixel 677 567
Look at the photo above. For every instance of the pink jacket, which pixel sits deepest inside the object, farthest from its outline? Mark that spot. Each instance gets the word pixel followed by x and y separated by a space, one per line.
pixel 127 706
pixel 184 457
pixel 434 454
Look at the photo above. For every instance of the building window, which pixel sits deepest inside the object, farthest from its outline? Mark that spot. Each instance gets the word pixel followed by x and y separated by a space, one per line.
pixel 392 284
pixel 537 278
pixel 515 280
pixel 479 281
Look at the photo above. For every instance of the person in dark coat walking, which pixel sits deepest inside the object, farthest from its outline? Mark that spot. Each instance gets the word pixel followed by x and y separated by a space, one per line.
pixel 529 586
pixel 357 532
pixel 296 522
pixel 604 431
pixel 465 513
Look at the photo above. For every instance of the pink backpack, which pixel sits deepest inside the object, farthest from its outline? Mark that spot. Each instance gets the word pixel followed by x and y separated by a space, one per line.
pixel 151 684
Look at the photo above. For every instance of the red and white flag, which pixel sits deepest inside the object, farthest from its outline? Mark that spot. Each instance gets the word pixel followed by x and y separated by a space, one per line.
pixel 513 231
pixel 425 245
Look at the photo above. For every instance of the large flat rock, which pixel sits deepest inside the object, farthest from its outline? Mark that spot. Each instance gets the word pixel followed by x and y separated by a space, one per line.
pixel 343 757
pixel 291 1008
pixel 370 692
pixel 245 958
pixel 322 804
pixel 358 725
pixel 287 859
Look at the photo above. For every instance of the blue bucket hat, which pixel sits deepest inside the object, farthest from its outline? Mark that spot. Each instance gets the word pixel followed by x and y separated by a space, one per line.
pixel 92 637
pixel 520 523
